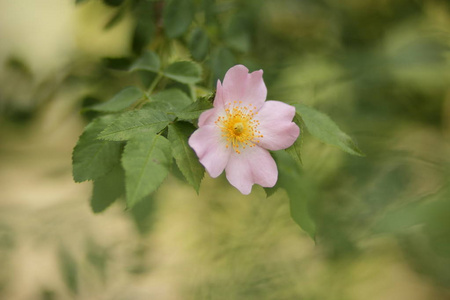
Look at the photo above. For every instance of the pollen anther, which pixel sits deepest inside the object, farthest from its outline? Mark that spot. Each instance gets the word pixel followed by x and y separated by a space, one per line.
pixel 239 126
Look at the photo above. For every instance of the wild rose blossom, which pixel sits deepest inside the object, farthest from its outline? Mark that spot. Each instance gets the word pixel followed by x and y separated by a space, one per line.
pixel 237 133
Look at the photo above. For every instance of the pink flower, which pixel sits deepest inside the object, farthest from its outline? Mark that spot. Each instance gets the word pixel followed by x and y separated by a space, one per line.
pixel 235 135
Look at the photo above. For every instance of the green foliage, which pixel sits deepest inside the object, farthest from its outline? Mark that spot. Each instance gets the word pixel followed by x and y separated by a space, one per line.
pixel 170 100
pixel 184 71
pixel 146 160
pixel 290 179
pixel 113 2
pixel 237 33
pixel 69 270
pixel 178 15
pixel 199 44
pixel 323 128
pixel 295 151
pixel 194 110
pixel 107 189
pixel 155 125
pixel 135 123
pixel 143 214
pixel 122 100
pixel 93 158
pixel 185 157
pixel 221 60
pixel 148 61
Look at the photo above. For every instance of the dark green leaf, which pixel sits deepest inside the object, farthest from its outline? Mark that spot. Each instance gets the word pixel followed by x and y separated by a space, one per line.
pixel 113 2
pixel 145 26
pixel 134 123
pixel 194 110
pixel 123 99
pixel 323 128
pixel 298 192
pixel 149 61
pixel 146 161
pixel 184 71
pixel 185 157
pixel 199 44
pixel 116 18
pixel 93 158
pixel 295 151
pixel 108 189
pixel 177 17
pixel 270 191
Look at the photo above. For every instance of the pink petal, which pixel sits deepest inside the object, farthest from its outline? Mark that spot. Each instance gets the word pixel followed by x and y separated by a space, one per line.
pixel 276 126
pixel 218 99
pixel 254 165
pixel 210 148
pixel 207 117
pixel 239 85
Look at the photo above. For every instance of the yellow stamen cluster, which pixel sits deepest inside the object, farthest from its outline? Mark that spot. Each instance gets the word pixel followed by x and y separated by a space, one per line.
pixel 239 126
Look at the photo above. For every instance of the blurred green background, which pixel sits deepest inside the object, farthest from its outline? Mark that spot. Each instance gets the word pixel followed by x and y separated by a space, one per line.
pixel 380 69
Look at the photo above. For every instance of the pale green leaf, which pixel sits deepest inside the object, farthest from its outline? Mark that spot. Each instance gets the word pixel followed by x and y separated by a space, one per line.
pixel 133 123
pixel 146 160
pixel 323 128
pixel 184 71
pixel 149 61
pixel 91 157
pixel 108 189
pixel 122 100
pixel 295 151
pixel 177 17
pixel 185 157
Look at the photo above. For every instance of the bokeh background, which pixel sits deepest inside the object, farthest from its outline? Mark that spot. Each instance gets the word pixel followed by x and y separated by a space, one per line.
pixel 380 69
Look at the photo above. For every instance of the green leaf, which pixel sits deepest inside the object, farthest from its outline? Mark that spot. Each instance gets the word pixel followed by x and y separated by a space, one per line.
pixel 93 158
pixel 149 61
pixel 237 33
pixel 146 160
pixel 171 100
pixel 295 151
pixel 291 179
pixel 69 269
pixel 323 128
pixel 108 189
pixel 221 60
pixel 270 191
pixel 185 157
pixel 143 214
pixel 194 110
pixel 116 18
pixel 198 44
pixel 177 17
pixel 133 123
pixel 113 2
pixel 122 100
pixel 184 71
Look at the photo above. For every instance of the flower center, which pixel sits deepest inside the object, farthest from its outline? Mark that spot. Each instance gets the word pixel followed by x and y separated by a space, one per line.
pixel 238 126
